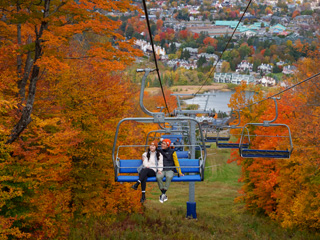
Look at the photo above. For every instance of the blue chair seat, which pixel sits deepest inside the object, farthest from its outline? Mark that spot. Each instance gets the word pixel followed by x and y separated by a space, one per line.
pixel 264 153
pixel 187 166
pixel 209 139
pixel 231 145
pixel 185 178
pixel 198 148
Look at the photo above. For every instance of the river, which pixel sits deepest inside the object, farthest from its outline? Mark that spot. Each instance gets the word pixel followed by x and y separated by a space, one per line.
pixel 219 102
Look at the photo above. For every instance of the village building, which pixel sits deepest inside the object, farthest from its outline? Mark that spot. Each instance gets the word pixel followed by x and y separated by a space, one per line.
pixel 244 66
pixel 289 69
pixel 232 78
pixel 265 68
pixel 176 63
pixel 266 81
pixel 147 48
pixel 208 56
pixel 278 28
pixel 192 51
pixel 214 31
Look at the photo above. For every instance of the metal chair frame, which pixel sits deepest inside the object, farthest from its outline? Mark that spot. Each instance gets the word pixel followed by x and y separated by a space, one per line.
pixel 253 153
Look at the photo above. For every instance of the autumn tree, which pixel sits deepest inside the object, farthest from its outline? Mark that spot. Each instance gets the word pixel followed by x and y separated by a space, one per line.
pixel 286 190
pixel 159 24
pixel 208 41
pixel 225 67
pixel 43 29
pixel 297 207
pixel 59 164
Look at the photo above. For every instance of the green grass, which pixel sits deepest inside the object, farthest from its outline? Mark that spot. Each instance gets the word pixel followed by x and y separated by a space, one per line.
pixel 218 216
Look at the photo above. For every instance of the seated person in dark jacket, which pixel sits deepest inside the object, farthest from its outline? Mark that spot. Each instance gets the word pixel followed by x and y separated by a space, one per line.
pixel 170 163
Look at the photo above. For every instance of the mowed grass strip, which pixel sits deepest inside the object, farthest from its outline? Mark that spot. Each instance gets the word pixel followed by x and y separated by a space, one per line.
pixel 218 216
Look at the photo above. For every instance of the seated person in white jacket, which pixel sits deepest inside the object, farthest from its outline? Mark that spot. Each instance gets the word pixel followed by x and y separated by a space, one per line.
pixel 152 163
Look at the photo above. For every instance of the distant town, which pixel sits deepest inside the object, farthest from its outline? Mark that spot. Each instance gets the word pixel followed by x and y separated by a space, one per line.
pixel 193 35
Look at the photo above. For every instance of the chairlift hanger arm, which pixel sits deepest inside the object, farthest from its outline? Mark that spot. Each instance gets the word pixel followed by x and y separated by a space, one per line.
pixel 147 71
pixel 276 108
pixel 239 119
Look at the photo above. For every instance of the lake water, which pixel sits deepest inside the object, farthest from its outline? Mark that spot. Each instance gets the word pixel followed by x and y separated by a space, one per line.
pixel 219 102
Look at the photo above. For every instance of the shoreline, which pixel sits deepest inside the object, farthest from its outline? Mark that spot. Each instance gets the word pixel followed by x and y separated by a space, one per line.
pixel 191 89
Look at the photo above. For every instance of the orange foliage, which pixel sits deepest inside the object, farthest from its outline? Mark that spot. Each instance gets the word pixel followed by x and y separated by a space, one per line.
pixel 287 190
pixel 157 38
pixel 295 13
pixel 159 24
pixel 208 41
pixel 184 34
pixel 61 166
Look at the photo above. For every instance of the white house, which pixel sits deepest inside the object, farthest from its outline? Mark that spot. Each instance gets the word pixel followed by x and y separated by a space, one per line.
pixel 192 51
pixel 208 56
pixel 289 69
pixel 244 66
pixel 266 81
pixel 265 68
pixel 232 78
pixel 147 48
pixel 249 33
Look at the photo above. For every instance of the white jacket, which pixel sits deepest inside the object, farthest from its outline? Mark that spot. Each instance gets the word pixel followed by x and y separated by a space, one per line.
pixel 151 163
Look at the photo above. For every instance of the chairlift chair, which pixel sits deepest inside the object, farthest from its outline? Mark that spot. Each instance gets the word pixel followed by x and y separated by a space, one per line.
pixel 217 137
pixel 124 168
pixel 221 143
pixel 248 152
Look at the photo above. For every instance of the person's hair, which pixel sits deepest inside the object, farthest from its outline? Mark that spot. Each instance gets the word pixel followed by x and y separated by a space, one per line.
pixel 157 154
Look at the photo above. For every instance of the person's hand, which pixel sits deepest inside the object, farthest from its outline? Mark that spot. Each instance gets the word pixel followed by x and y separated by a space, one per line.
pixel 159 172
pixel 181 174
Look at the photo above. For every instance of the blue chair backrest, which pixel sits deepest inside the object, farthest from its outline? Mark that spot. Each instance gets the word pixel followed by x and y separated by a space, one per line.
pixel 187 165
pixel 129 166
pixel 182 154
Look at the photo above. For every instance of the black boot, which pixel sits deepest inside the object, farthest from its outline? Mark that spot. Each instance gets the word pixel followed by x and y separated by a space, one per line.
pixel 135 186
pixel 143 198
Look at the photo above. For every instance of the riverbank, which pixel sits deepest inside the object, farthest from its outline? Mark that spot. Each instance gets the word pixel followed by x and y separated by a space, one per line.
pixel 191 89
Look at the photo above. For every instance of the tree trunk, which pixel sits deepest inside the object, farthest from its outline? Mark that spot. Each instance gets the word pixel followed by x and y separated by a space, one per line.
pixel 27 69
pixel 25 118
pixel 19 58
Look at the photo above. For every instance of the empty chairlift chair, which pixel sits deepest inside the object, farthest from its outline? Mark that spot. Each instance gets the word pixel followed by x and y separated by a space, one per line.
pixel 248 152
pixel 215 134
pixel 173 138
pixel 158 134
pixel 223 143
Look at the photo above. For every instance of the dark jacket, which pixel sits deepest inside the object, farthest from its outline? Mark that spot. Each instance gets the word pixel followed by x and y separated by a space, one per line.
pixel 170 160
